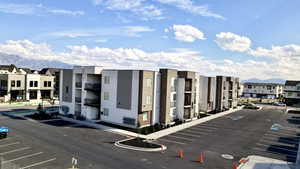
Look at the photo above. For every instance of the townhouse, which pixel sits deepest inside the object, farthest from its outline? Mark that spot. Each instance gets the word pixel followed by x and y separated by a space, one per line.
pixel 21 84
pixel 262 90
pixel 292 92
pixel 136 98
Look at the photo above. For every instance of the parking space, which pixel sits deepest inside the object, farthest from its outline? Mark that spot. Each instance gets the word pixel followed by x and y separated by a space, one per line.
pixel 15 153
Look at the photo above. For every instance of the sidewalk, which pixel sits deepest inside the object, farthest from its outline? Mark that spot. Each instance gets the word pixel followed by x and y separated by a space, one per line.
pixel 155 135
pixel 259 162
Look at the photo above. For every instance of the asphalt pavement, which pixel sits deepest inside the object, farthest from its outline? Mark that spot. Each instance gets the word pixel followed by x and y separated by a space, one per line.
pixel 52 144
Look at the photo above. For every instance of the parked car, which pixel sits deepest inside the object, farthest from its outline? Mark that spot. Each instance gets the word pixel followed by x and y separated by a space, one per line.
pixel 250 106
pixel 3 132
pixel 279 104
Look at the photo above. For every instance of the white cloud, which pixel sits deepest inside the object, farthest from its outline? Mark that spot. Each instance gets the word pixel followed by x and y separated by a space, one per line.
pixel 66 12
pixel 128 31
pixel 34 9
pixel 189 6
pixel 287 51
pixel 28 49
pixel 101 40
pixel 186 33
pixel 138 7
pixel 233 42
pixel 180 58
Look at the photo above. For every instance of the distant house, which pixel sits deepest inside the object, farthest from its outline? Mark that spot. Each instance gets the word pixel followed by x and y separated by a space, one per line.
pixel 20 84
pixel 292 92
pixel 56 73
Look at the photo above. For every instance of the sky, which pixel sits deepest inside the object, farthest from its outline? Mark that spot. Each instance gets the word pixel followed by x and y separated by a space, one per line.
pixel 248 39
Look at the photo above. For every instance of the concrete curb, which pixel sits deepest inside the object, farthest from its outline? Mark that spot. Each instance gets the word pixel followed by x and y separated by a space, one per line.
pixel 118 144
pixel 155 135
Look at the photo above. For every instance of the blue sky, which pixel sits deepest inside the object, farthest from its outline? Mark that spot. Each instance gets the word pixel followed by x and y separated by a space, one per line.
pixel 220 37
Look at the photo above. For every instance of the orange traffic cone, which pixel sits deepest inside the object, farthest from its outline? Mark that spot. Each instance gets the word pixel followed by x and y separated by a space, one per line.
pixel 180 154
pixel 235 166
pixel 201 158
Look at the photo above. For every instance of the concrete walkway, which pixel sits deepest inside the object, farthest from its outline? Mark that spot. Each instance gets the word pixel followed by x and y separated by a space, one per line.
pixel 155 135
pixel 259 162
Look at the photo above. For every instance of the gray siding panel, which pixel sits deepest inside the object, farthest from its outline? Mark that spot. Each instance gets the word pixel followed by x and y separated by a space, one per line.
pixel 67 85
pixel 124 88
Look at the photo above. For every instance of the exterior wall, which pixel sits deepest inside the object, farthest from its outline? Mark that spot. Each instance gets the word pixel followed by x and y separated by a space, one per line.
pixel 212 85
pixel 203 94
pixel 156 101
pixel 116 114
pixel 66 98
pixel 167 77
pixel 33 77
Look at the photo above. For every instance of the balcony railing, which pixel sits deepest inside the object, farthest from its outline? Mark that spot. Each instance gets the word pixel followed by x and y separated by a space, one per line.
pixel 92 102
pixel 78 99
pixel 93 86
pixel 173 104
pixel 78 84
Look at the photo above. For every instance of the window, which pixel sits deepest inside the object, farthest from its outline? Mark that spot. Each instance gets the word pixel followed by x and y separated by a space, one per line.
pixel 290 94
pixel 106 96
pixel 174 97
pixel 13 83
pixel 67 89
pixel 35 83
pixel 298 87
pixel 45 83
pixel 149 83
pixel 106 80
pixel 18 83
pixel 31 84
pixel 105 111
pixel 49 83
pixel 129 121
pixel 268 87
pixel 145 116
pixel 3 83
pixel 148 100
pixel 249 86
pixel 174 112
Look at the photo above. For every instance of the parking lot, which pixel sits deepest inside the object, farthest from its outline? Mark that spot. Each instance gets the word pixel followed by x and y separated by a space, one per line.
pixel 53 143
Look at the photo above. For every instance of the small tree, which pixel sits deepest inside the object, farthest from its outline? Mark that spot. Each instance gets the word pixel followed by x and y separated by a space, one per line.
pixel 40 109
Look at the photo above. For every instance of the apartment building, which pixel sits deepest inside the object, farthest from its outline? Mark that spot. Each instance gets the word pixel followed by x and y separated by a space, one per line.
pixel 20 84
pixel 207 94
pixel 140 98
pixel 262 90
pixel 226 92
pixel 292 92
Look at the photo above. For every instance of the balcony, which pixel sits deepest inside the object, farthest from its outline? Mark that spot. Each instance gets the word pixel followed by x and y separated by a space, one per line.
pixel 187 113
pixel 77 99
pixel 78 84
pixel 92 102
pixel 173 104
pixel 93 86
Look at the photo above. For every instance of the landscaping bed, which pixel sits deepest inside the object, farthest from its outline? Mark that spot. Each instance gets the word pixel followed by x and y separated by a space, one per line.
pixel 140 142
pixel 38 116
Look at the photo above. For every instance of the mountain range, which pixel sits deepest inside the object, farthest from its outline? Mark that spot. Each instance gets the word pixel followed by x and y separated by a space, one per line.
pixel 36 64
pixel 255 80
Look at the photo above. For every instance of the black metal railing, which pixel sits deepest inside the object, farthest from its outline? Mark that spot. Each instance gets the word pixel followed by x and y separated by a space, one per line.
pixel 93 86
pixel 78 84
pixel 92 102
pixel 78 99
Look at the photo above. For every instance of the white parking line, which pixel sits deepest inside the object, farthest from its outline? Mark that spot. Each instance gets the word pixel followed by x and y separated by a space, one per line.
pixel 282 133
pixel 8 138
pixel 201 129
pixel 16 150
pixel 5 145
pixel 279 148
pixel 195 132
pixel 22 157
pixel 277 139
pixel 278 135
pixel 171 141
pixel 206 127
pixel 39 163
pixel 182 138
pixel 185 134
pixel 270 152
pixel 273 142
